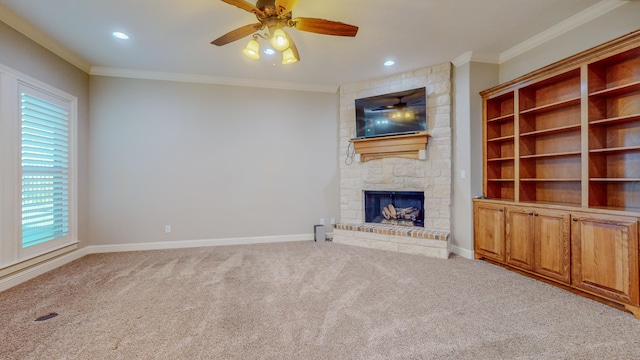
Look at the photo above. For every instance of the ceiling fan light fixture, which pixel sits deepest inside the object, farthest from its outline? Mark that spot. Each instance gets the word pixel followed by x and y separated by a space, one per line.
pixel 253 49
pixel 288 57
pixel 279 40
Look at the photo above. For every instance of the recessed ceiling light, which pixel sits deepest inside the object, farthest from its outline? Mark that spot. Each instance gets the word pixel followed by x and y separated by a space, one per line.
pixel 269 51
pixel 120 35
pixel 389 63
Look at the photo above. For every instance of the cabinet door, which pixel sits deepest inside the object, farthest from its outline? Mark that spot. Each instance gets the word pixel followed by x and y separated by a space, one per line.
pixel 489 231
pixel 520 237
pixel 552 244
pixel 604 254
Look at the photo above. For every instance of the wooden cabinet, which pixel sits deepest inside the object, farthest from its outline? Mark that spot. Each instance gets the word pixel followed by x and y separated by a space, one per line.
pixel 520 238
pixel 605 256
pixel 562 144
pixel 489 231
pixel 538 240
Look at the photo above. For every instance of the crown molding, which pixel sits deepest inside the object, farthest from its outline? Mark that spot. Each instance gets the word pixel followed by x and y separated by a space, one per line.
pixel 204 79
pixel 462 59
pixel 571 23
pixel 25 28
pixel 476 56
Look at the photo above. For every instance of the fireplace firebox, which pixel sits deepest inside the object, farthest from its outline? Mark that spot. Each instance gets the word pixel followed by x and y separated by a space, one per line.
pixel 404 208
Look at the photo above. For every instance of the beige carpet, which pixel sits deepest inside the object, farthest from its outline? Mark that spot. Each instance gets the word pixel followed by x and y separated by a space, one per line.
pixel 302 301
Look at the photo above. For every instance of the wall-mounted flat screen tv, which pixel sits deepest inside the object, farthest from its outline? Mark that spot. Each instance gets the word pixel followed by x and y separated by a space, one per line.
pixel 398 113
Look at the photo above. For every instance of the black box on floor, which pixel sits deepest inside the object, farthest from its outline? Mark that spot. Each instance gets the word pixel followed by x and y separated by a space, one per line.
pixel 318 230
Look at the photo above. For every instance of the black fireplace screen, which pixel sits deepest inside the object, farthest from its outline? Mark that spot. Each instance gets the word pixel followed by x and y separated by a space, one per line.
pixel 394 207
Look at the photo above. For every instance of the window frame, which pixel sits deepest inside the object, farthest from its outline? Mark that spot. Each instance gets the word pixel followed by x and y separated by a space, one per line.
pixel 12 253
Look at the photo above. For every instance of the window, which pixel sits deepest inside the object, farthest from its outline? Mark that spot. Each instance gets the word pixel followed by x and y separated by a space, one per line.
pixel 37 147
pixel 45 169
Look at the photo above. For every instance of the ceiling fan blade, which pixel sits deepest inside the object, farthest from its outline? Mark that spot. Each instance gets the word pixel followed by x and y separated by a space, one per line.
pixel 285 6
pixel 245 6
pixel 326 27
pixel 237 34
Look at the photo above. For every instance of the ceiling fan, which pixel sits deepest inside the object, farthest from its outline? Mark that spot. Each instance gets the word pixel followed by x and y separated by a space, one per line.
pixel 273 17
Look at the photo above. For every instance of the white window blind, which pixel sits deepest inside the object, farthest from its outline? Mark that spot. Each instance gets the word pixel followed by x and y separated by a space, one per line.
pixel 45 170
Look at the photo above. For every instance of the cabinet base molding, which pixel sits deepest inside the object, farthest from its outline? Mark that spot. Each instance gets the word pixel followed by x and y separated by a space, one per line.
pixel 634 310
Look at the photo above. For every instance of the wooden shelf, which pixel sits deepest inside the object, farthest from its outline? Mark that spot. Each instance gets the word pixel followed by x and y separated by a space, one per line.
pixel 501 139
pixel 509 158
pixel 615 179
pixel 614 150
pixel 560 154
pixel 501 118
pixel 618 90
pixel 501 180
pixel 552 107
pixel 615 120
pixel 550 180
pixel 404 146
pixel 552 130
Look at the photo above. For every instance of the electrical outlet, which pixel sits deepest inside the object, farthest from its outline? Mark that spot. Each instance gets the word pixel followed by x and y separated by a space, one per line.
pixel 167 229
pixel 333 221
pixel 322 221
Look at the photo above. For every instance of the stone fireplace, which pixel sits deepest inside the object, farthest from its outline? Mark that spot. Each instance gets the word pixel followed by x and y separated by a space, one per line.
pixel 430 175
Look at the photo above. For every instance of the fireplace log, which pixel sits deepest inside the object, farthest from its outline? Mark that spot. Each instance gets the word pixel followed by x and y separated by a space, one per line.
pixel 386 213
pixel 392 211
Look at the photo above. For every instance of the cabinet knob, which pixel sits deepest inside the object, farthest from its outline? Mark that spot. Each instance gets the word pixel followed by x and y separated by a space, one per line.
pixel 530 213
pixel 575 219
pixel 536 214
pixel 501 210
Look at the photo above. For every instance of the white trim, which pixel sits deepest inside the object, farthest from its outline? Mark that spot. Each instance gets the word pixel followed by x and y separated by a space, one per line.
pixel 22 26
pixel 204 79
pixel 571 23
pixel 164 245
pixel 37 270
pixel 467 254
pixel 476 56
pixel 462 59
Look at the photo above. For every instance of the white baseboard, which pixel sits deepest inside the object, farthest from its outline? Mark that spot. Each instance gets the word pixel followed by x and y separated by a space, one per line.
pixel 165 245
pixel 467 254
pixel 37 270
pixel 30 273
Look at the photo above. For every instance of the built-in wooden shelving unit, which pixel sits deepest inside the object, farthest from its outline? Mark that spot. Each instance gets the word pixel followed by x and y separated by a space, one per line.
pixel 562 174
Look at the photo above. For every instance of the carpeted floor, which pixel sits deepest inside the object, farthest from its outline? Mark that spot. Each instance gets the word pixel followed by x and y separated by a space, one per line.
pixel 302 301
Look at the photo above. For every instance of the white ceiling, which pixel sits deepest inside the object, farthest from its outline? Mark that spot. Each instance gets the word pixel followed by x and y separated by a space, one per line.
pixel 173 36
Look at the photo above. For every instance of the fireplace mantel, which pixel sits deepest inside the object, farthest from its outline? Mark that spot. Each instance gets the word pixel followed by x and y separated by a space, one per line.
pixel 405 146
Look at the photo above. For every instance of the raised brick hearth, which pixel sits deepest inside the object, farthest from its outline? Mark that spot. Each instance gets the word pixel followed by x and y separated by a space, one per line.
pixel 412 240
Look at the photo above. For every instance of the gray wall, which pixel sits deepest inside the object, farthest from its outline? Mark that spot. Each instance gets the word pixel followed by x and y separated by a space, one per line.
pixel 470 79
pixel 22 54
pixel 620 21
pixel 214 162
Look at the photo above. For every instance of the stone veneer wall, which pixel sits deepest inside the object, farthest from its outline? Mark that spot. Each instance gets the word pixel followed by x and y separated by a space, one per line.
pixel 432 175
